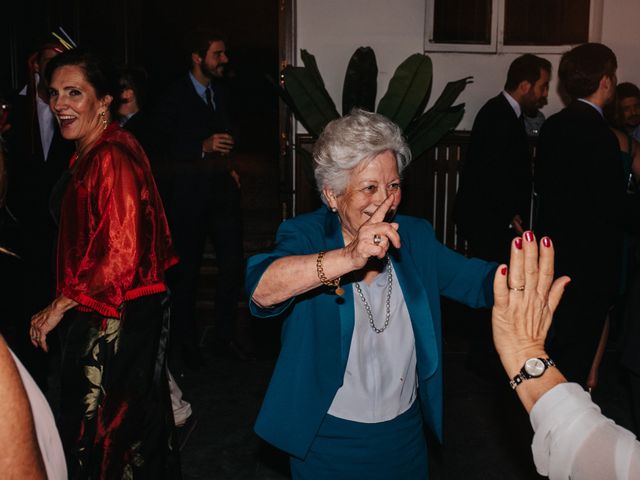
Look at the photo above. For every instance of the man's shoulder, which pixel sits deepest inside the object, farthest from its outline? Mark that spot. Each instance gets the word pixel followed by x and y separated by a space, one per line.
pixel 496 109
pixel 496 104
pixel 180 86
pixel 577 117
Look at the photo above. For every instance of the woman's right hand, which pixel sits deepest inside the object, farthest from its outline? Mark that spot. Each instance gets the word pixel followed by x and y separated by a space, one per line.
pixel 525 298
pixel 365 244
pixel 42 323
pixel 47 319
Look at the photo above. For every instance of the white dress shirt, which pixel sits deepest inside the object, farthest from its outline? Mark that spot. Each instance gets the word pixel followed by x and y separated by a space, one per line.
pixel 380 379
pixel 514 104
pixel 47 126
pixel 574 441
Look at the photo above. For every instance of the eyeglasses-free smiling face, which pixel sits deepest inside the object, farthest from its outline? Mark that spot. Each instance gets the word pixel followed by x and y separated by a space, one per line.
pixel 214 62
pixel 370 183
pixel 74 102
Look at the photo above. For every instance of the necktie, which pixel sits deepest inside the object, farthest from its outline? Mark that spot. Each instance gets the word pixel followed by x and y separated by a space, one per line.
pixel 210 103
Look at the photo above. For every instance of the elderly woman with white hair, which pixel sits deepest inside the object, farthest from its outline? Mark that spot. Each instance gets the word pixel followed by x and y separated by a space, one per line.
pixel 359 287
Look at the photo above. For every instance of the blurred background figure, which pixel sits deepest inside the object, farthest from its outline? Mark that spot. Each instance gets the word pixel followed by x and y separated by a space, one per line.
pixel 627 109
pixel 37 156
pixel 204 202
pixel 134 117
pixel 580 181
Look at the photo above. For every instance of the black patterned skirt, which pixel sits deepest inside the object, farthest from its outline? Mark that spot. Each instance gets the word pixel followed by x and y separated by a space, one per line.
pixel 115 411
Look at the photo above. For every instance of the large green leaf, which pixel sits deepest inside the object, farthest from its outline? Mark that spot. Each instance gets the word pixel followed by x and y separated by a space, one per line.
pixel 360 81
pixel 431 132
pixel 313 104
pixel 407 90
pixel 286 98
pixel 451 92
pixel 311 65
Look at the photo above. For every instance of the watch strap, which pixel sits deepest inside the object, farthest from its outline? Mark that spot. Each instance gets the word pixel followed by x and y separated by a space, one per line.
pixel 524 375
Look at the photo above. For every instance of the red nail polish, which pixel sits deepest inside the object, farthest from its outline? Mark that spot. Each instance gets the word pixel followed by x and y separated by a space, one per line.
pixel 528 236
pixel 503 270
pixel 546 241
pixel 519 243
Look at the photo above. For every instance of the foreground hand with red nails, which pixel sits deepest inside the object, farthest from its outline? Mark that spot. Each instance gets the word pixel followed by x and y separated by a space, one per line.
pixel 572 438
pixel 525 298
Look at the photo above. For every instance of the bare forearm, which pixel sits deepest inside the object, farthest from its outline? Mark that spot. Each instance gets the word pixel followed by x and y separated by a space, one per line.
pixel 20 456
pixel 294 275
pixel 62 304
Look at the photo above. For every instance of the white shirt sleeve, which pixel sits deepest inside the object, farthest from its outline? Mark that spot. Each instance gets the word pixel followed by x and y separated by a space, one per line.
pixel 574 441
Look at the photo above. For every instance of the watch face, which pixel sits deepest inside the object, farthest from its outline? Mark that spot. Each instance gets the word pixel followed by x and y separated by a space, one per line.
pixel 534 367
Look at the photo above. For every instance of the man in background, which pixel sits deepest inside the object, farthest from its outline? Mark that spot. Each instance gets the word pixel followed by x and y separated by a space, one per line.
pixel 583 205
pixel 628 109
pixel 494 198
pixel 204 199
pixel 37 156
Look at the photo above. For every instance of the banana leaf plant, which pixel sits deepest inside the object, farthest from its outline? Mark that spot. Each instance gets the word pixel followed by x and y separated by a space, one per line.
pixel 404 101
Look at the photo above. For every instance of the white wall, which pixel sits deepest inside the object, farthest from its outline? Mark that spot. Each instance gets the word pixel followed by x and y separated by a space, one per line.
pixel 333 29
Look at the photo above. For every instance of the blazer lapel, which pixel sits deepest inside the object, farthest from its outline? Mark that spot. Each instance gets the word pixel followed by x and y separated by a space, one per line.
pixel 344 303
pixel 415 296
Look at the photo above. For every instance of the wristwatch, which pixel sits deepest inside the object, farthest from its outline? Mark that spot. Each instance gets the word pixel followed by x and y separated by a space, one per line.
pixel 533 368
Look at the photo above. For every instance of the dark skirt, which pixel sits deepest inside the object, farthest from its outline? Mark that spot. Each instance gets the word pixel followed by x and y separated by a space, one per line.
pixel 346 450
pixel 115 411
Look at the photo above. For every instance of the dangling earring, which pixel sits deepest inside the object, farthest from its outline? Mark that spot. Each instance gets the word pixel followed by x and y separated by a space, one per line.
pixel 104 120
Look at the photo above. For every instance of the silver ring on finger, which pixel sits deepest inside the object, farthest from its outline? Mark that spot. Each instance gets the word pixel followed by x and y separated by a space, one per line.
pixel 517 289
pixel 377 240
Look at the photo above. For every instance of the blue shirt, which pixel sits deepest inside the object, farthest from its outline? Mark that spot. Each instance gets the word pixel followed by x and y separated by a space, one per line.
pixel 201 90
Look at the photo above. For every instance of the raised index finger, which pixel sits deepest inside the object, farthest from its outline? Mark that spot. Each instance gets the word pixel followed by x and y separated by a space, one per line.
pixel 381 211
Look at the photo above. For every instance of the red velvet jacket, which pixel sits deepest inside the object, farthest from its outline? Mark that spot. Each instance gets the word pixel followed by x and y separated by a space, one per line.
pixel 114 243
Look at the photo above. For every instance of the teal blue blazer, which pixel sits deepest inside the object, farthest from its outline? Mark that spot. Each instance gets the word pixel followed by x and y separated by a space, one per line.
pixel 318 325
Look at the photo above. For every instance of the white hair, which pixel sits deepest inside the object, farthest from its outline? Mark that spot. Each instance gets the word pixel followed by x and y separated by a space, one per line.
pixel 355 138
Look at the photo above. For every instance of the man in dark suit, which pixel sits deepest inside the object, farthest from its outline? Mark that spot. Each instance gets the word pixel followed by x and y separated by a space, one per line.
pixel 493 201
pixel 37 156
pixel 133 94
pixel 134 117
pixel 583 207
pixel 204 197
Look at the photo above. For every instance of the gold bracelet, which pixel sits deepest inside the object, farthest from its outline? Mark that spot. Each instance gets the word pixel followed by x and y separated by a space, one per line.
pixel 323 278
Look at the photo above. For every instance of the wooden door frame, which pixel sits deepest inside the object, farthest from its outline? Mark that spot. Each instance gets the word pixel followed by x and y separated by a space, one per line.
pixel 286 130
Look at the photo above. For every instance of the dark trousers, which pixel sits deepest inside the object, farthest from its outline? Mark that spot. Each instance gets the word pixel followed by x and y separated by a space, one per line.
pixel 205 206
pixel 577 328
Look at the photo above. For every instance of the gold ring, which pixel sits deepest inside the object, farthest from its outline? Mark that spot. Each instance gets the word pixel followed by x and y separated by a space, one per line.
pixel 517 289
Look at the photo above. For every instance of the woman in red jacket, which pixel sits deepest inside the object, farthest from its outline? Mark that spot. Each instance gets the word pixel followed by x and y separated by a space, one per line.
pixel 113 248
